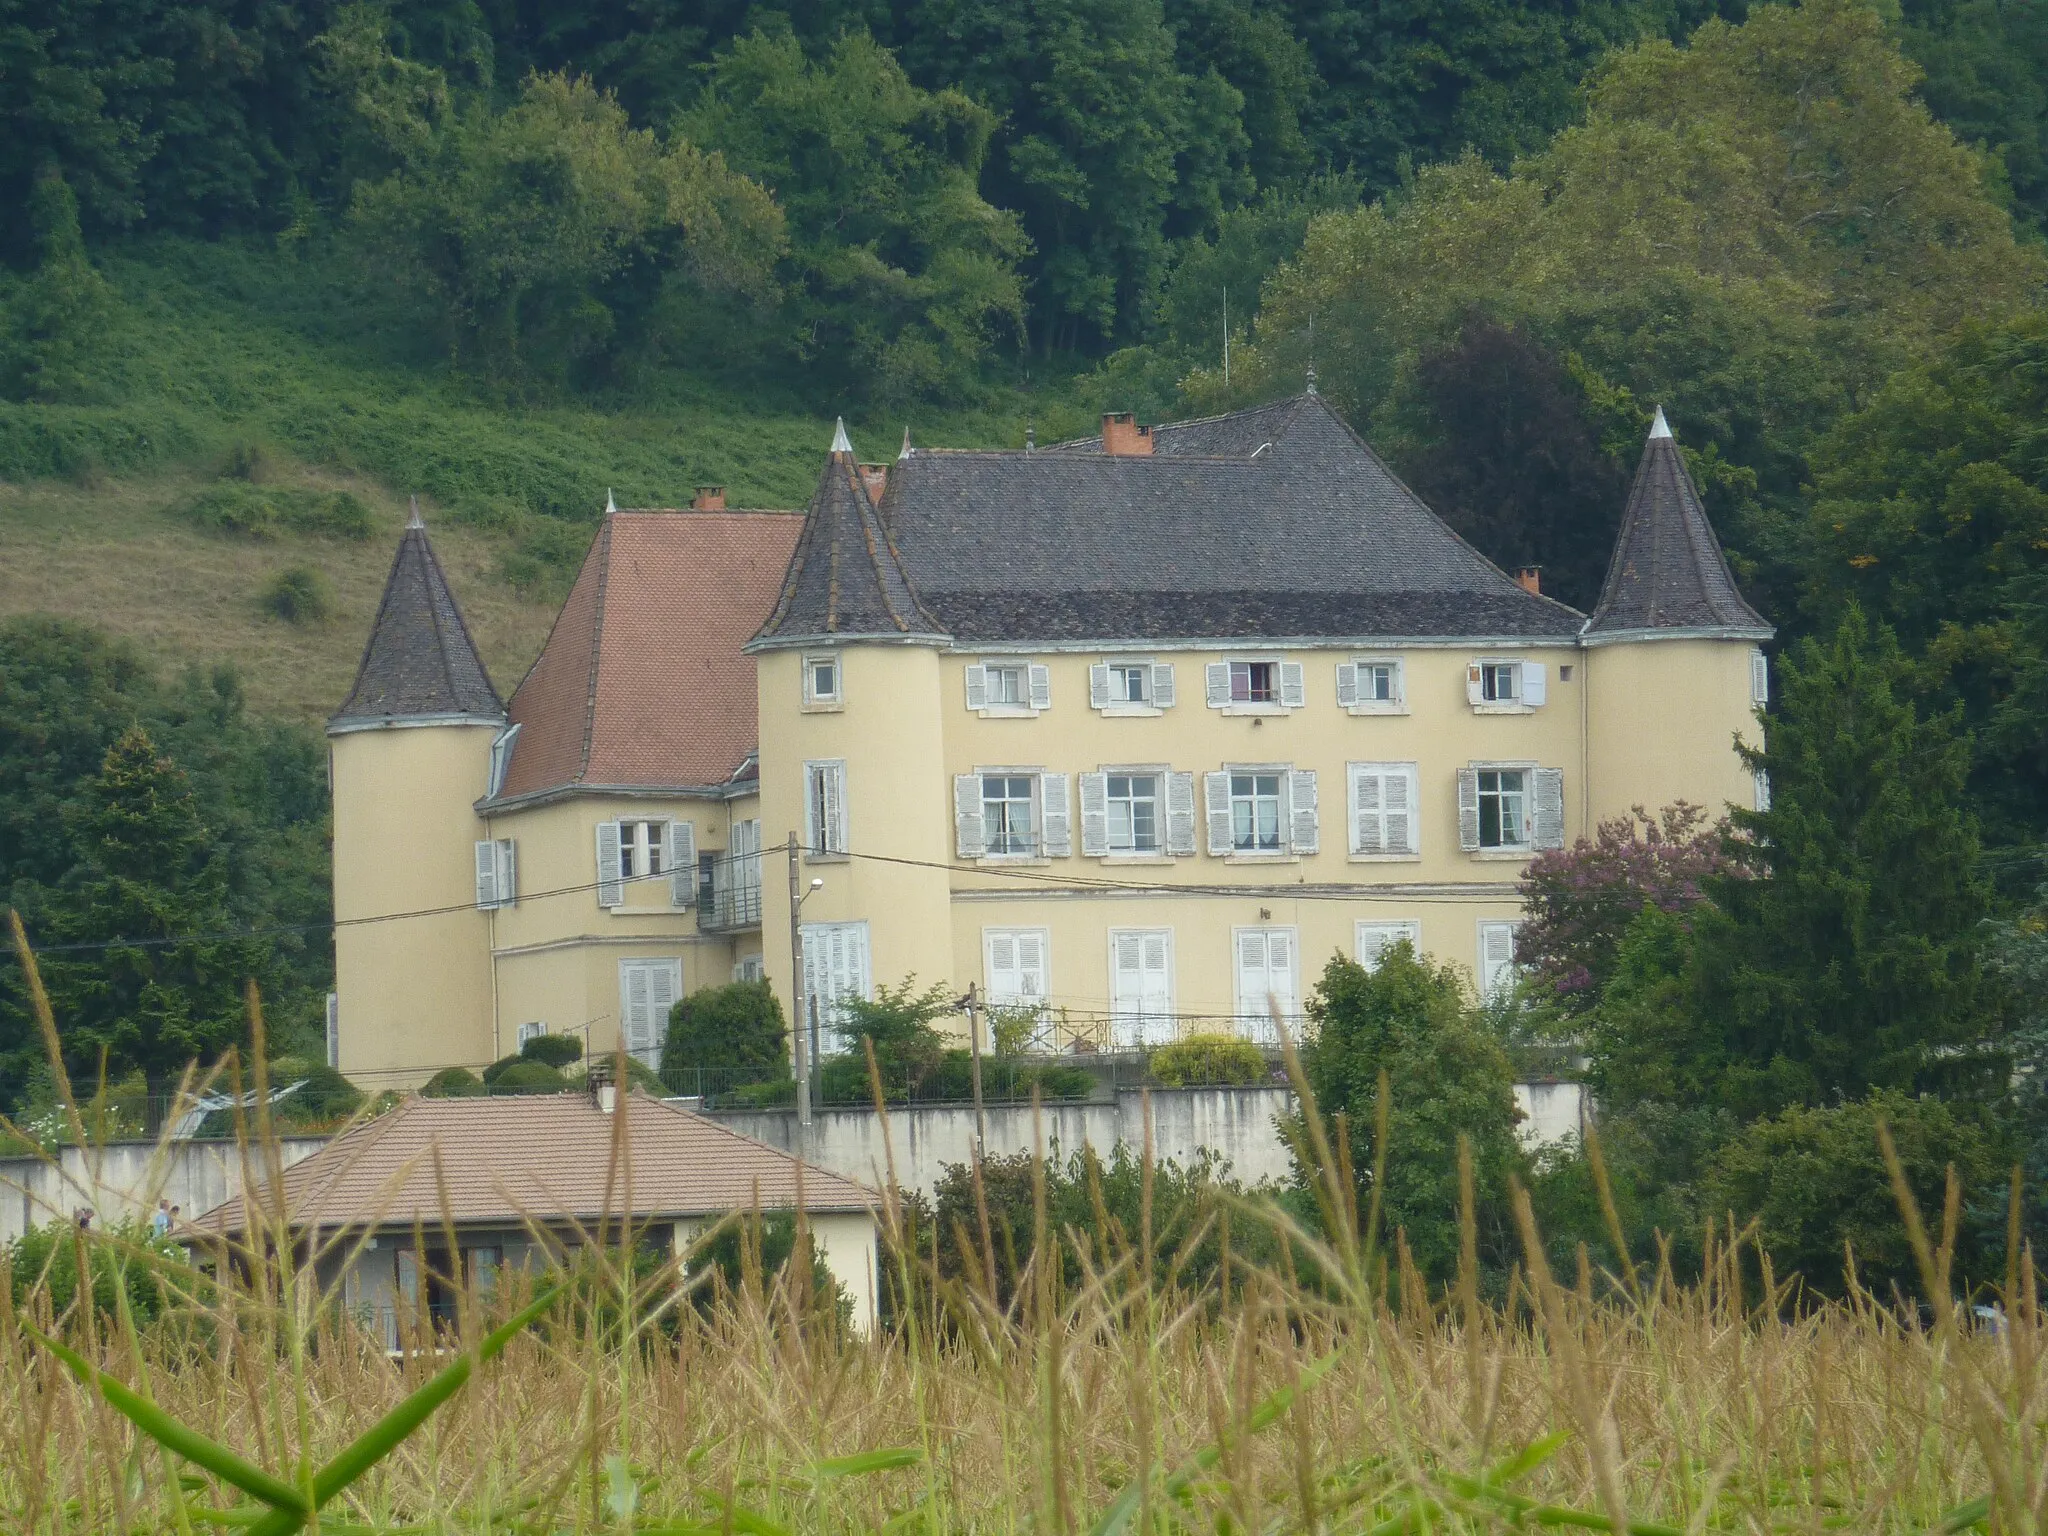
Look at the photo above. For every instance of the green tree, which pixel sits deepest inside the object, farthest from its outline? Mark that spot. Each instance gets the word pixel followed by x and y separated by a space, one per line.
pixel 736 1032
pixel 52 320
pixel 1447 1075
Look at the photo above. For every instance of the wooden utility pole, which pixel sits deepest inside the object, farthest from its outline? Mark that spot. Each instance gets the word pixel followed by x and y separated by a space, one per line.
pixel 973 1006
pixel 796 990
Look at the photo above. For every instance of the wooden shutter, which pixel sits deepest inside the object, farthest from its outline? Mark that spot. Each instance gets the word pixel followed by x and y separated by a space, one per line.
pixel 611 889
pixel 1098 686
pixel 1002 965
pixel 1280 972
pixel 1041 685
pixel 1162 685
pixel 682 863
pixel 969 832
pixel 1218 679
pixel 1253 982
pixel 1031 967
pixel 1759 679
pixel 1534 683
pixel 977 686
pixel 1180 814
pixel 1375 939
pixel 1468 809
pixel 334 1029
pixel 1304 820
pixel 634 1007
pixel 1094 815
pixel 486 876
pixel 1368 806
pixel 1762 790
pixel 1056 817
pixel 1127 989
pixel 1218 789
pixel 1293 688
pixel 1549 818
pixel 1496 956
pixel 664 985
pixel 835 808
pixel 508 872
pixel 1347 683
pixel 1473 687
pixel 1402 823
pixel 1155 961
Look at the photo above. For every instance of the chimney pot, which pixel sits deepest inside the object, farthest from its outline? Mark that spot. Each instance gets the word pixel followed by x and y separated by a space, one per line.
pixel 1121 434
pixel 1530 579
pixel 709 498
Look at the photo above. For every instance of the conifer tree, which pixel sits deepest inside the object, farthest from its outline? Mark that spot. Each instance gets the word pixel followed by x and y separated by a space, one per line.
pixel 54 317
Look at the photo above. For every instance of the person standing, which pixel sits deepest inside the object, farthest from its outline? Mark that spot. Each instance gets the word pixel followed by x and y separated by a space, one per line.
pixel 160 1220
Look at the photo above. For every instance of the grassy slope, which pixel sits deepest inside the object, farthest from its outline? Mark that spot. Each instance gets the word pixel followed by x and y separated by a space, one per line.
pixel 223 345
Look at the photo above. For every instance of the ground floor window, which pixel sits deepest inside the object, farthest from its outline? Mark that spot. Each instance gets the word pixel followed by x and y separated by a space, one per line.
pixel 1017 965
pixel 648 989
pixel 1140 987
pixel 1496 959
pixel 835 968
pixel 1375 939
pixel 1267 981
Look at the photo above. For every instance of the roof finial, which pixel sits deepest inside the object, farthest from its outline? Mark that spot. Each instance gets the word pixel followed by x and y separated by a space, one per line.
pixel 840 442
pixel 416 521
pixel 906 444
pixel 1311 354
pixel 1660 427
pixel 609 504
pixel 1030 436
pixel 1311 378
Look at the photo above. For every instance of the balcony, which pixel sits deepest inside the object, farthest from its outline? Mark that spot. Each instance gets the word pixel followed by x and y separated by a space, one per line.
pixel 729 906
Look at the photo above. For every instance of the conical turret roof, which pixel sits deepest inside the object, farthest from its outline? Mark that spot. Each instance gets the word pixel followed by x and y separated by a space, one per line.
pixel 846 581
pixel 1668 576
pixel 420 663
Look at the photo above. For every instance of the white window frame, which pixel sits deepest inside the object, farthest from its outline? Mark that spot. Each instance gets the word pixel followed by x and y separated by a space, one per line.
pixel 334 1029
pixel 1035 688
pixel 1159 688
pixel 1133 1024
pixel 816 699
pixel 648 1052
pixel 651 841
pixel 1041 1001
pixel 1351 697
pixel 1531 684
pixel 1528 793
pixel 1282 848
pixel 748 968
pixel 1052 819
pixel 1759 679
pixel 1254 1018
pixel 1033 837
pixel 501 759
pixel 497 874
pixel 1354 816
pixel 533 1029
pixel 826 817
pixel 1157 851
pixel 1541 787
pixel 1289 686
pixel 1494 978
pixel 1373 939
pixel 1760 790
pixel 817 938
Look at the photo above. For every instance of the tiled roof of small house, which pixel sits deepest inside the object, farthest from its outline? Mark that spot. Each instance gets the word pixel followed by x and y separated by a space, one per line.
pixel 419 663
pixel 642 683
pixel 1668 574
pixel 1274 523
pixel 545 1157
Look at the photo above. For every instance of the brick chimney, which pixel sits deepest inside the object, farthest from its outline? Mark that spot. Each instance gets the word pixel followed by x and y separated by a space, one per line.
pixel 876 478
pixel 1121 434
pixel 1530 579
pixel 709 498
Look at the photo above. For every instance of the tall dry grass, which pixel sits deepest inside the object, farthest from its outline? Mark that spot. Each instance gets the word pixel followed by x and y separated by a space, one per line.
pixel 1334 1394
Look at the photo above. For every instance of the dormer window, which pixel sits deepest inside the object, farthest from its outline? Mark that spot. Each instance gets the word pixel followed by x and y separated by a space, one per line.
pixel 822 681
pixel 501 759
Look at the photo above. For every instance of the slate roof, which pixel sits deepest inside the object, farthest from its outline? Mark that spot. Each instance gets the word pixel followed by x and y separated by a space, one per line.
pixel 547 1157
pixel 642 683
pixel 1273 523
pixel 1668 574
pixel 420 662
pixel 845 580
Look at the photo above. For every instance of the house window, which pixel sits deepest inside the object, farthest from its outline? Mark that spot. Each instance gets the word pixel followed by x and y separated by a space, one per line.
pixel 501 758
pixel 1009 687
pixel 497 874
pixel 1379 682
pixel 1255 687
pixel 1371 685
pixel 748 969
pixel 1132 801
pixel 1018 966
pixel 1006 813
pixel 1141 987
pixel 1130 683
pixel 835 969
pixel 1131 687
pixel 825 809
pixel 1254 682
pixel 1265 981
pixel 641 848
pixel 1383 819
pixel 821 680
pixel 529 1031
pixel 1255 819
pixel 1499 681
pixel 648 989
pixel 1506 687
pixel 1503 808
pixel 1496 960
pixel 1375 939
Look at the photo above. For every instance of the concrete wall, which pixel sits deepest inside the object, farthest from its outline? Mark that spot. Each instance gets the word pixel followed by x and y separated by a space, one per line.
pixel 125 1180
pixel 1551 1112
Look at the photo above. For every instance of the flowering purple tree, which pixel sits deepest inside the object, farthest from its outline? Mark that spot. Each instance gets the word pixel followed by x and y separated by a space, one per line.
pixel 1579 901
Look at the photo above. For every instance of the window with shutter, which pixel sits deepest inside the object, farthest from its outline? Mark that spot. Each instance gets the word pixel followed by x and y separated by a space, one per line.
pixel 682 863
pixel 487 876
pixel 1304 818
pixel 1496 959
pixel 1501 687
pixel 1293 685
pixel 1162 684
pixel 825 808
pixel 1504 808
pixel 1180 814
pixel 1375 939
pixel 977 687
pixel 1041 686
pixel 1141 987
pixel 1265 981
pixel 1759 679
pixel 1098 687
pixel 1128 686
pixel 968 835
pixel 1371 685
pixel 1094 815
pixel 1057 825
pixel 1217 789
pixel 1383 810
pixel 1217 677
pixel 835 968
pixel 611 887
pixel 1535 684
pixel 1017 971
pixel 648 989
pixel 1261 821
pixel 1549 815
pixel 1256 687
pixel 1132 813
pixel 1468 809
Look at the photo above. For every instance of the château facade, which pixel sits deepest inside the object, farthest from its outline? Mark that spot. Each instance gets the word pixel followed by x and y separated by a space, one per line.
pixel 1130 733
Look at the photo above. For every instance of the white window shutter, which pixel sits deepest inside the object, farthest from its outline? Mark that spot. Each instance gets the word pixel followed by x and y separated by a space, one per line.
pixel 1472 684
pixel 1468 809
pixel 334 1029
pixel 1293 688
pixel 1759 679
pixel 634 1025
pixel 1218 787
pixel 1056 817
pixel 664 986
pixel 1375 939
pixel 1400 683
pixel 1218 678
pixel 968 830
pixel 486 876
pixel 1368 808
pixel 508 873
pixel 1549 808
pixel 1162 685
pixel 1031 967
pixel 1762 781
pixel 977 686
pixel 1041 686
pixel 835 808
pixel 1402 822
pixel 1496 958
pixel 1347 683
pixel 611 889
pixel 1094 815
pixel 1280 971
pixel 1251 979
pixel 1002 966
pixel 1098 686
pixel 1180 814
pixel 1304 820
pixel 1534 683
pixel 682 863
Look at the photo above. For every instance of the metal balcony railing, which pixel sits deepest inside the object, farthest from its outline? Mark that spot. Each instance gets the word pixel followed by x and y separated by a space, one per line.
pixel 728 908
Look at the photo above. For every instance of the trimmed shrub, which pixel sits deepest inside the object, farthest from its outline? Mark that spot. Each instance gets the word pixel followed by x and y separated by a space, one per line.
pixel 297 594
pixel 734 1032
pixel 327 1095
pixel 1202 1061
pixel 452 1083
pixel 553 1050
pixel 521 1076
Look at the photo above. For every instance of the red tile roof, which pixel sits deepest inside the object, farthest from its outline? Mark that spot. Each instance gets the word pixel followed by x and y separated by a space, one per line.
pixel 547 1158
pixel 642 682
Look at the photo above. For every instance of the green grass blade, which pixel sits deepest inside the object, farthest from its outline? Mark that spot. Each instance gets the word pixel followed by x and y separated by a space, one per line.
pixel 1526 1460
pixel 868 1461
pixel 175 1437
pixel 1963 1516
